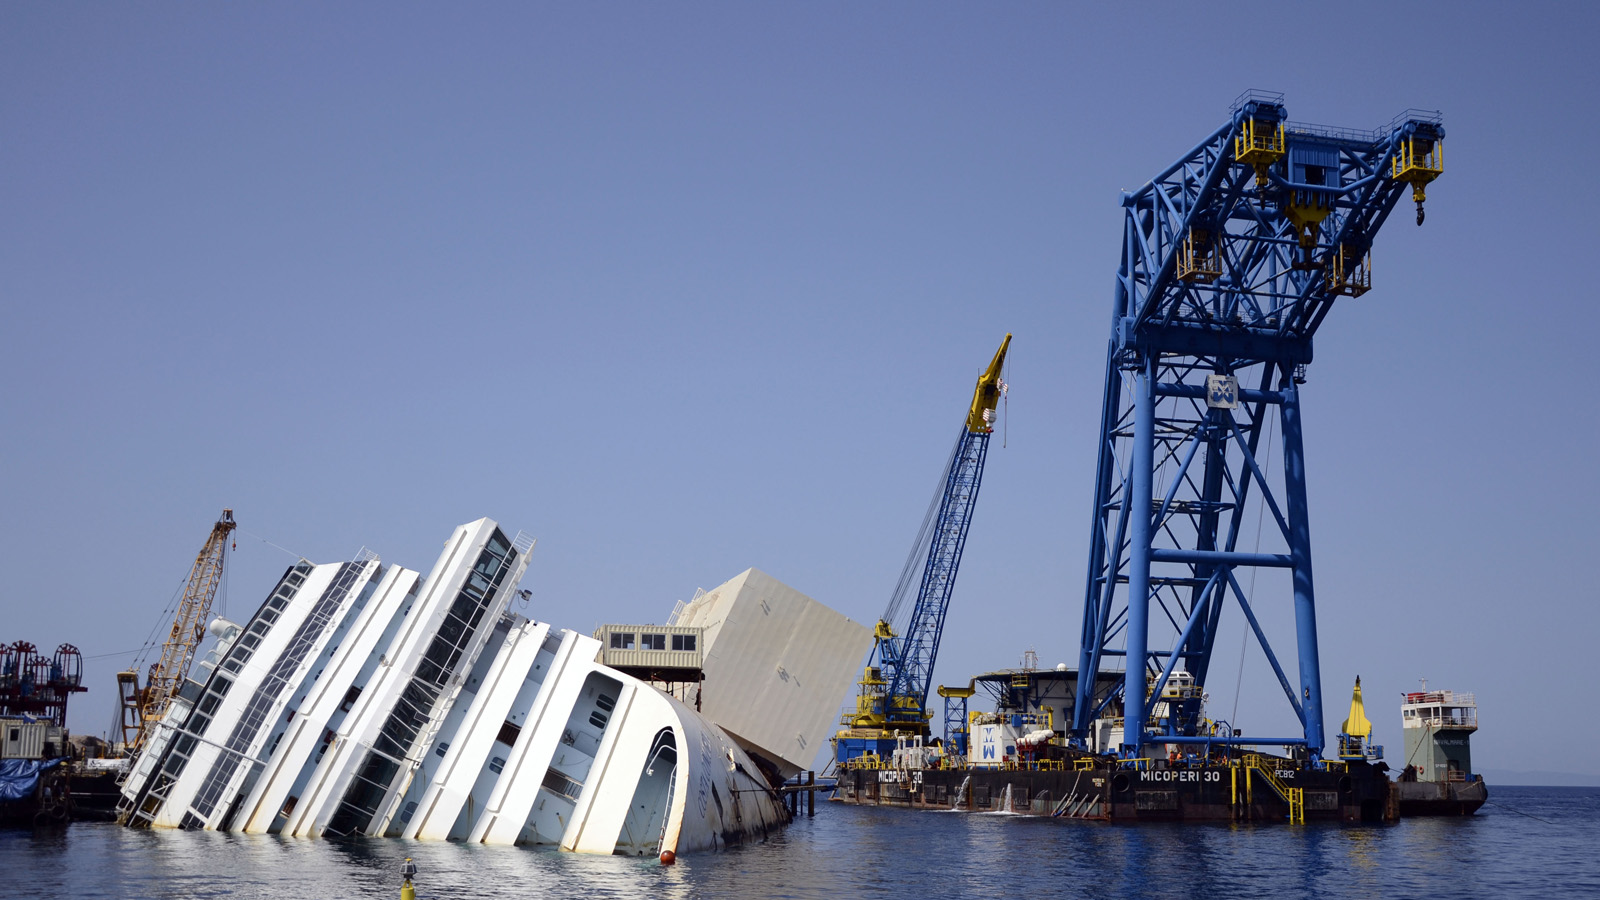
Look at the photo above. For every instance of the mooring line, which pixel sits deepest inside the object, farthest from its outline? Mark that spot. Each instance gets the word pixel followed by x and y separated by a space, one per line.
pixel 1519 812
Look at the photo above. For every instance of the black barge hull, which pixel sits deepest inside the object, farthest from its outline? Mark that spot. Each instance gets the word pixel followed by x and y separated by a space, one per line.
pixel 1198 793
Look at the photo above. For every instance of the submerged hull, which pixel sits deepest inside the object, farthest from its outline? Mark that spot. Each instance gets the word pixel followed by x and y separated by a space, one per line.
pixel 366 700
pixel 1198 793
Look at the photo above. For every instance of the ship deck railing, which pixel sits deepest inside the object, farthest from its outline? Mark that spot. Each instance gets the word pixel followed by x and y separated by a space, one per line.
pixel 1458 721
pixel 869 762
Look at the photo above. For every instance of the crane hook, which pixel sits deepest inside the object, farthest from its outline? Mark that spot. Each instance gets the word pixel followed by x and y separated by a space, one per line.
pixel 1420 213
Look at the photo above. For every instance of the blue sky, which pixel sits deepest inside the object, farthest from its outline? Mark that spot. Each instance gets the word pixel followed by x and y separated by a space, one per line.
pixel 683 289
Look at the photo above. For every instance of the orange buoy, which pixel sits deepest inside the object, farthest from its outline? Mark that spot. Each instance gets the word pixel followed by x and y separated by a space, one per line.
pixel 668 857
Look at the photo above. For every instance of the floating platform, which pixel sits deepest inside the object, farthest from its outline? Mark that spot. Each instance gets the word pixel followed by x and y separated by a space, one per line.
pixel 1249 789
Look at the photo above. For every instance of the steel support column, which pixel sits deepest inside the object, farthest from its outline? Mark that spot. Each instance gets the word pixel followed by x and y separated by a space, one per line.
pixel 1231 258
pixel 1139 534
pixel 1305 607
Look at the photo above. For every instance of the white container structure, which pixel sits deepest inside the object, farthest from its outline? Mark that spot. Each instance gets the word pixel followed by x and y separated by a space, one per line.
pixel 777 664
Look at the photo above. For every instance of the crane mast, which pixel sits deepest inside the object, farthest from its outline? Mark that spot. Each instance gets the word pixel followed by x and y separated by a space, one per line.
pixel 894 686
pixel 1231 259
pixel 143 707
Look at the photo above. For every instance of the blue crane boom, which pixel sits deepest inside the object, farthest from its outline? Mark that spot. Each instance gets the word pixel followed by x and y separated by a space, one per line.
pixel 1231 259
pixel 894 692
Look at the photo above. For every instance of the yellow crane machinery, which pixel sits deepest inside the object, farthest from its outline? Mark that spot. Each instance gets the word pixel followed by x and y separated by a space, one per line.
pixel 893 698
pixel 143 707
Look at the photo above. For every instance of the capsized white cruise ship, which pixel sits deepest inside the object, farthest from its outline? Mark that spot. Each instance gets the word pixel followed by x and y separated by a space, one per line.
pixel 367 699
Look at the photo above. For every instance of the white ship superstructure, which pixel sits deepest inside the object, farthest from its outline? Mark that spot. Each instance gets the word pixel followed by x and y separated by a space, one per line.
pixel 320 709
pixel 365 699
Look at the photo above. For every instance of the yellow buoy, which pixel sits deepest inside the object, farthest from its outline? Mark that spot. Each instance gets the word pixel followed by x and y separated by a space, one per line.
pixel 408 891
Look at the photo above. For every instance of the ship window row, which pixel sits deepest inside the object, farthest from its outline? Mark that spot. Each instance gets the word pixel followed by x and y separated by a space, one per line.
pixel 171 768
pixel 227 763
pixel 367 790
pixel 561 785
pixel 405 721
pixel 260 624
pixel 312 628
pixel 458 627
pixel 624 640
pixel 208 704
pixel 177 756
pixel 266 694
pixel 411 711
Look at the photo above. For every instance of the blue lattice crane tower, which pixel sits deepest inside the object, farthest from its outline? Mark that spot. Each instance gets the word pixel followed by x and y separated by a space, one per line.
pixel 893 697
pixel 1231 258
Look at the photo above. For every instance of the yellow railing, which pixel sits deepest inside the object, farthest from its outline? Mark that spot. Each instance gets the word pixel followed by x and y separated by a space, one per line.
pixel 1252 145
pixel 1413 166
pixel 1417 169
pixel 1259 148
pixel 1037 765
pixel 1197 258
pixel 1349 271
pixel 1295 797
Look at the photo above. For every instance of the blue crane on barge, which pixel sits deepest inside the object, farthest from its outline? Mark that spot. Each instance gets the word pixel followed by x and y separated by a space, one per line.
pixel 893 698
pixel 1231 259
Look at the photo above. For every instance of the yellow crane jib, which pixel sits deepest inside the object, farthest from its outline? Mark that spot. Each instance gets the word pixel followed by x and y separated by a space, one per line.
pixel 143 707
pixel 892 701
pixel 990 388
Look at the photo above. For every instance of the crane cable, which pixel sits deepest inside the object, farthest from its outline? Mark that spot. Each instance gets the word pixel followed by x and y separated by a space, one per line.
pixel 1005 400
pixel 269 543
pixel 167 614
pixel 1261 507
pixel 165 618
pixel 924 537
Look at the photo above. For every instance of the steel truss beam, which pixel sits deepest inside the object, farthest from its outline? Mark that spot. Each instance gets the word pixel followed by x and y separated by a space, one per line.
pixel 1231 259
pixel 908 660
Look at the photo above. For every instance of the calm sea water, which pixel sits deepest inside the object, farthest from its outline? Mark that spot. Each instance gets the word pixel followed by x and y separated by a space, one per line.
pixel 1541 842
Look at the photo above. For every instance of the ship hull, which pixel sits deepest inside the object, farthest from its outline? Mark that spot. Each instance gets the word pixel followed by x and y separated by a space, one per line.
pixel 1440 798
pixel 1208 792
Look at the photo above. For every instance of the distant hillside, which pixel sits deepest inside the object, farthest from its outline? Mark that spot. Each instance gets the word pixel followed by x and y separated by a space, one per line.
pixel 1538 777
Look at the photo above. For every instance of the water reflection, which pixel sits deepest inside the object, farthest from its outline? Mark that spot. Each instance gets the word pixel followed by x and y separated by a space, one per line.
pixel 847 852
